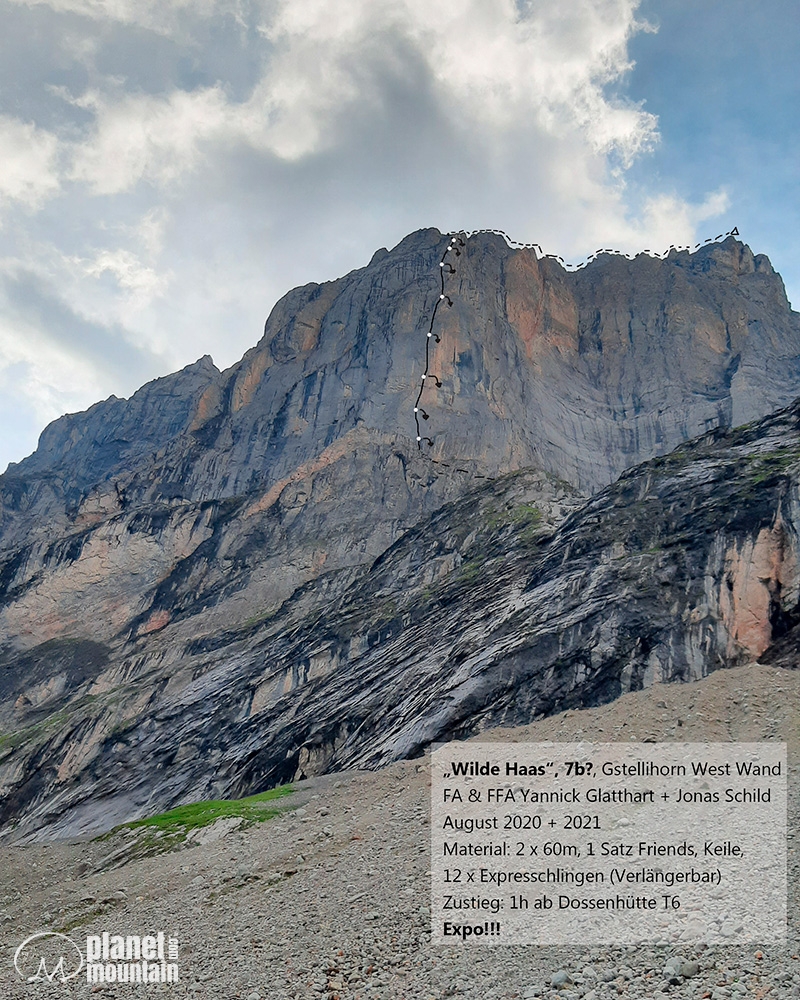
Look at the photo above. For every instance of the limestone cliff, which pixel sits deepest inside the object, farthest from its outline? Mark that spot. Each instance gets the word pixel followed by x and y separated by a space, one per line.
pixel 239 576
pixel 311 436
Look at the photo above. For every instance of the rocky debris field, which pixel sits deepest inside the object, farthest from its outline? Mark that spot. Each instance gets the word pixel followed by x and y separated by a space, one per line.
pixel 331 898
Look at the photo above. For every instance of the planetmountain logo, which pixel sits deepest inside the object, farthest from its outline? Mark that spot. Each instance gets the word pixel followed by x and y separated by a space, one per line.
pixel 108 958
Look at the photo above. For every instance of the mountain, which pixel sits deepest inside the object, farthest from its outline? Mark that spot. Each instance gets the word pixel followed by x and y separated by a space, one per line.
pixel 237 577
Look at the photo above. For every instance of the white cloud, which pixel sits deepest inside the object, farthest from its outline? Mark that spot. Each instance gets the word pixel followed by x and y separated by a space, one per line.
pixel 51 379
pixel 143 137
pixel 28 163
pixel 150 231
pixel 142 283
pixel 162 16
pixel 714 205
pixel 194 198
pixel 667 219
pixel 489 69
pixel 495 69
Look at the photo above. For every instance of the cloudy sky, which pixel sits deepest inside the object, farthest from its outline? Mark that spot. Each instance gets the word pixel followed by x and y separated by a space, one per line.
pixel 169 168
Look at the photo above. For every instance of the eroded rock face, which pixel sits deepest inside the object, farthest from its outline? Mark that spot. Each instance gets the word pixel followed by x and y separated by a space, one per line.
pixel 515 601
pixel 309 439
pixel 271 578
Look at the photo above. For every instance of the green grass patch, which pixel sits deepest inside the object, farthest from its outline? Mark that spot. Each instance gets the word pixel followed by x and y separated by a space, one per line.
pixel 468 572
pixel 527 518
pixel 773 463
pixel 526 513
pixel 169 831
pixel 252 809
pixel 21 736
pixel 523 515
pixel 257 619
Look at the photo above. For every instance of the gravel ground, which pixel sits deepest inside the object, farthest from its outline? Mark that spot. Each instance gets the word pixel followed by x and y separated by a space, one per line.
pixel 331 899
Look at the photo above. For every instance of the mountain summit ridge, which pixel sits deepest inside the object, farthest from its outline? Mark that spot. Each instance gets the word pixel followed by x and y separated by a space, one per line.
pixel 305 326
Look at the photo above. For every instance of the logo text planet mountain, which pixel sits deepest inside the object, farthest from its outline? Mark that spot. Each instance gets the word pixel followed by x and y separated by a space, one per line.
pixel 131 958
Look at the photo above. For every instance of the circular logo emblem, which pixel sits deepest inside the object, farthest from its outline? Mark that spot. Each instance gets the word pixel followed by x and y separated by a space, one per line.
pixel 48 956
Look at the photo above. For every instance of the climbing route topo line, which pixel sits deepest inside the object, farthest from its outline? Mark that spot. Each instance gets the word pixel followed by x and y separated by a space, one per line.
pixel 446 269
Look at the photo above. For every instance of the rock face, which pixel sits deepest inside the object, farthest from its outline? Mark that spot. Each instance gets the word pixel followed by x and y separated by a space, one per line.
pixel 236 577
pixel 303 454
